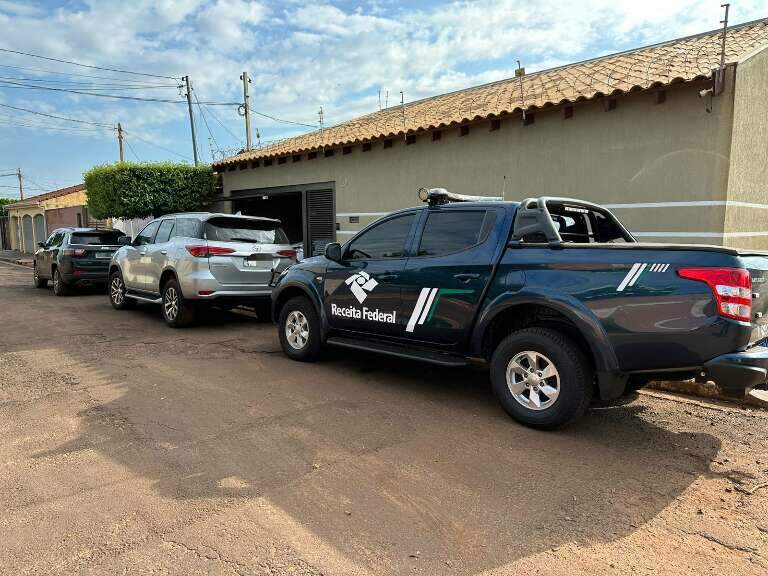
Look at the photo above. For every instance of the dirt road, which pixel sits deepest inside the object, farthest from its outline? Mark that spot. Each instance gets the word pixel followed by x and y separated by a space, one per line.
pixel 130 448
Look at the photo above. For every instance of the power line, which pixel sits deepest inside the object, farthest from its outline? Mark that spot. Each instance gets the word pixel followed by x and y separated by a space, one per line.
pixel 56 117
pixel 157 145
pixel 86 65
pixel 283 120
pixel 235 136
pixel 205 120
pixel 84 93
pixel 116 83
pixel 56 73
pixel 133 151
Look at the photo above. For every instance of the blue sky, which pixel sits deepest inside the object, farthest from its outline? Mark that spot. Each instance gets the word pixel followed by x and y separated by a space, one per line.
pixel 301 55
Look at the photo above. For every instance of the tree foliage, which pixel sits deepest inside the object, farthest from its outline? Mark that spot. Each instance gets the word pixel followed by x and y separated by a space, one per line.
pixel 140 190
pixel 3 202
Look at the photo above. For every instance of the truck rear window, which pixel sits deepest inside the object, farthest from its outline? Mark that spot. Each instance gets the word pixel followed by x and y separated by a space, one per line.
pixel 243 230
pixel 95 238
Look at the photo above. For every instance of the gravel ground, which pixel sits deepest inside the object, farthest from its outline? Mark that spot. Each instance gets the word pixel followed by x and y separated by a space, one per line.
pixel 130 448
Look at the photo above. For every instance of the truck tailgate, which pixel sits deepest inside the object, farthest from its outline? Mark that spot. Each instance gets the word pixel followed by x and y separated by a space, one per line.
pixel 757 264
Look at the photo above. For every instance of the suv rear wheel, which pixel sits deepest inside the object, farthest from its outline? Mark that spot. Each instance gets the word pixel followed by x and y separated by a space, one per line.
pixel 541 377
pixel 299 330
pixel 59 288
pixel 177 312
pixel 117 296
pixel 39 282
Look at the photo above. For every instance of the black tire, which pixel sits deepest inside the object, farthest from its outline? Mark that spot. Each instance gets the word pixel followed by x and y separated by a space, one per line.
pixel 39 282
pixel 177 312
pixel 572 386
pixel 305 349
pixel 116 291
pixel 59 288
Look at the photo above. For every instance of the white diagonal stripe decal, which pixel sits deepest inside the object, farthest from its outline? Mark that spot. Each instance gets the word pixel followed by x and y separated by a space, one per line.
pixel 637 275
pixel 627 278
pixel 427 306
pixel 417 310
pixel 665 267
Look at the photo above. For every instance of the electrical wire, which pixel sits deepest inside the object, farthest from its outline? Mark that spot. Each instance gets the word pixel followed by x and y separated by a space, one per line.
pixel 205 121
pixel 55 116
pixel 132 150
pixel 157 145
pixel 56 73
pixel 315 126
pixel 86 65
pixel 114 84
pixel 84 93
pixel 215 117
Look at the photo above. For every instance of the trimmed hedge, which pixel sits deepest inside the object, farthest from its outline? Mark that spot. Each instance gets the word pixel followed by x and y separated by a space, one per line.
pixel 140 190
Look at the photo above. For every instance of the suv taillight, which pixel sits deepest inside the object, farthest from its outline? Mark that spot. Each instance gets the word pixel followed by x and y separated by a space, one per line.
pixel 731 287
pixel 287 253
pixel 206 251
pixel 75 252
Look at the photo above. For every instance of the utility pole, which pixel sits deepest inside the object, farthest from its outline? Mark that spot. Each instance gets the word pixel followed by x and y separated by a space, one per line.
pixel 120 141
pixel 21 184
pixel 246 110
pixel 191 117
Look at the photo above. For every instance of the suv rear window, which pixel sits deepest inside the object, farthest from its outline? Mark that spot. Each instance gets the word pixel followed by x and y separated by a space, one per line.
pixel 242 230
pixel 95 238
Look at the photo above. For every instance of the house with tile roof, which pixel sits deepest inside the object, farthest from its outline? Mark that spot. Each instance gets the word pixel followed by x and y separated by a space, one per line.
pixel 33 219
pixel 673 137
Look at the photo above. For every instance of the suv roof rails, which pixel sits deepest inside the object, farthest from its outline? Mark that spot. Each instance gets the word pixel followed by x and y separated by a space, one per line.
pixel 439 196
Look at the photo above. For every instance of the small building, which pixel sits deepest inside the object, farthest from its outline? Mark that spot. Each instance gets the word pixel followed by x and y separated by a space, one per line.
pixel 674 143
pixel 33 219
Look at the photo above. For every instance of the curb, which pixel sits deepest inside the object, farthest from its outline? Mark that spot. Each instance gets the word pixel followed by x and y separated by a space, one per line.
pixel 756 398
pixel 18 261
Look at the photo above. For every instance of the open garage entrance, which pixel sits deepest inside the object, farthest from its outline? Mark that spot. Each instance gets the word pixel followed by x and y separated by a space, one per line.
pixel 307 213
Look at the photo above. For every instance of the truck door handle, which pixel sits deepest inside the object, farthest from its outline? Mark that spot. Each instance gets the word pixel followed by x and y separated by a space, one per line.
pixel 387 277
pixel 163 251
pixel 466 277
pixel 142 253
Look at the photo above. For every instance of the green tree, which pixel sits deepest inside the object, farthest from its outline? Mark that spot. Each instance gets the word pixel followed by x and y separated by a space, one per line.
pixel 140 190
pixel 3 202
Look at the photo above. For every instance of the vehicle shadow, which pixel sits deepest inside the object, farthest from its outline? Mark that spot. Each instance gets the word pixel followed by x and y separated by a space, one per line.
pixel 391 462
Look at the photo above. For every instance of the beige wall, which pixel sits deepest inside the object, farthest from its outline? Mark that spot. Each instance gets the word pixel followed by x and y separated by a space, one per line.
pixel 66 201
pixel 642 152
pixel 748 176
pixel 17 239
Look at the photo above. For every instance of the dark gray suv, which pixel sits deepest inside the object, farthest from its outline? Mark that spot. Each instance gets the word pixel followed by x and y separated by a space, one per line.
pixel 73 257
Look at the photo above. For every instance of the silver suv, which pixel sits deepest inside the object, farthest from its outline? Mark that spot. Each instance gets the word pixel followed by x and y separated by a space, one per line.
pixel 183 260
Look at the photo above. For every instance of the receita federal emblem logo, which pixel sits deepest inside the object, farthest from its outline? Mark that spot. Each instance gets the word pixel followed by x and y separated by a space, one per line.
pixel 360 284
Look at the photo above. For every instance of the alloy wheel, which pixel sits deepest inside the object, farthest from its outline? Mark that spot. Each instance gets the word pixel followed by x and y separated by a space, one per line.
pixel 171 303
pixel 297 330
pixel 533 380
pixel 117 290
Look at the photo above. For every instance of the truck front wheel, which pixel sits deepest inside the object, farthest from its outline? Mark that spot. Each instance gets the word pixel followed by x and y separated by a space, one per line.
pixel 299 330
pixel 541 377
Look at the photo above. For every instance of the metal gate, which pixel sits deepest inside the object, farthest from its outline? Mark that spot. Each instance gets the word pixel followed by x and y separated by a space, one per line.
pixel 320 220
pixel 27 234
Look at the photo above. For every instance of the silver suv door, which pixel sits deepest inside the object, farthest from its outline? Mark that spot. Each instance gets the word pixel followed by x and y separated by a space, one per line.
pixel 157 254
pixel 247 251
pixel 135 263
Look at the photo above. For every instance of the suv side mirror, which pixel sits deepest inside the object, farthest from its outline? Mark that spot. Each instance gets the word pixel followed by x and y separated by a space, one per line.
pixel 124 240
pixel 41 244
pixel 333 251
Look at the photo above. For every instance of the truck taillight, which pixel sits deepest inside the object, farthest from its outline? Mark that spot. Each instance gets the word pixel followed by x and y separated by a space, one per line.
pixel 206 251
pixel 731 287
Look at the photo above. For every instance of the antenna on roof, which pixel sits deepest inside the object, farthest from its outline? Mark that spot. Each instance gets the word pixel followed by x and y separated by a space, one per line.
pixel 402 109
pixel 386 100
pixel 379 99
pixel 320 114
pixel 520 72
pixel 720 73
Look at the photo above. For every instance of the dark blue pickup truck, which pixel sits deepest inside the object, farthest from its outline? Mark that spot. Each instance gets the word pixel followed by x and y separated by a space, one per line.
pixel 554 294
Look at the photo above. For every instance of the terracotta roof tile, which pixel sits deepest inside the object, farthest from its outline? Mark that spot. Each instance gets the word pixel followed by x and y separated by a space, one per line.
pixel 32 200
pixel 681 60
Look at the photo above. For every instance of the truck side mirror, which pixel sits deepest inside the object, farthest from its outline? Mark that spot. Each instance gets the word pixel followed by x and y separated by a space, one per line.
pixel 333 251
pixel 124 240
pixel 41 244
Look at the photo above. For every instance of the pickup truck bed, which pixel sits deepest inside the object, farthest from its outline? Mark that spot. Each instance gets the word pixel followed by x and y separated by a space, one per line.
pixel 553 294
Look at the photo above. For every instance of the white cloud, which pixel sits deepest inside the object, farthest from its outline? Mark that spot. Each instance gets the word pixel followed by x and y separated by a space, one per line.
pixel 302 55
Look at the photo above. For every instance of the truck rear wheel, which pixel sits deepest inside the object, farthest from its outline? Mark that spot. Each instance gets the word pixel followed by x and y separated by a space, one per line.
pixel 541 377
pixel 299 330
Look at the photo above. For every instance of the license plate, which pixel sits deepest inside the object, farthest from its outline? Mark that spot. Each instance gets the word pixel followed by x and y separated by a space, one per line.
pixel 103 254
pixel 258 263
